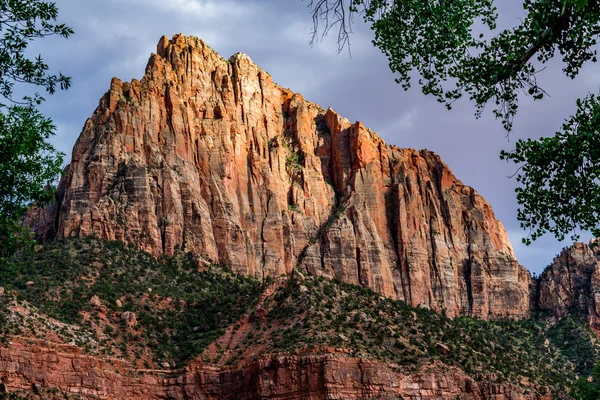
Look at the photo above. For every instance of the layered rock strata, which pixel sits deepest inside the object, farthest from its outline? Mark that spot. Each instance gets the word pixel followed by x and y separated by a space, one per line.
pixel 325 376
pixel 210 155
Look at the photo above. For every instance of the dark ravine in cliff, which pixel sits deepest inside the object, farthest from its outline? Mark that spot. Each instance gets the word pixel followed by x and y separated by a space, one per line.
pixel 210 155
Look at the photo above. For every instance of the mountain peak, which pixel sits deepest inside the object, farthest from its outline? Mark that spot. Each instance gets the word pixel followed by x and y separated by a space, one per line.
pixel 212 156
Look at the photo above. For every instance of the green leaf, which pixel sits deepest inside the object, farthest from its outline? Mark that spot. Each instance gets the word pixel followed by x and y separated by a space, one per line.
pixel 29 164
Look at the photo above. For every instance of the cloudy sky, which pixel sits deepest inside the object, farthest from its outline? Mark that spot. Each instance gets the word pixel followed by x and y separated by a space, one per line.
pixel 116 37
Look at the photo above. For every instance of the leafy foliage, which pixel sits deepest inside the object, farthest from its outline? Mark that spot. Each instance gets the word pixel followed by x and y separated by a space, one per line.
pixel 560 174
pixel 572 336
pixel 29 165
pixel 22 21
pixel 437 40
pixel 453 50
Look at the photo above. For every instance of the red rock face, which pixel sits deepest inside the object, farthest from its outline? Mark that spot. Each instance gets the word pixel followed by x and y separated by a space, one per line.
pixel 210 155
pixel 572 281
pixel 310 377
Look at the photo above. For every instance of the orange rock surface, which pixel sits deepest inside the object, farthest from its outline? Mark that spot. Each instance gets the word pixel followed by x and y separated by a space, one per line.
pixel 210 155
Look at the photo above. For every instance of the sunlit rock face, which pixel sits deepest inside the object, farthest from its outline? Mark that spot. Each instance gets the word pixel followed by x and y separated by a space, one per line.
pixel 210 155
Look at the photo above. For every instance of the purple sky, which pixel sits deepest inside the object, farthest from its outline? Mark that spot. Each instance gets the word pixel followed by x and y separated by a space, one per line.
pixel 116 37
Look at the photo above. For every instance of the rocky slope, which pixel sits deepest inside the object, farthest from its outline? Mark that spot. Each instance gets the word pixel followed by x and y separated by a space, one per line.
pixel 212 334
pixel 210 155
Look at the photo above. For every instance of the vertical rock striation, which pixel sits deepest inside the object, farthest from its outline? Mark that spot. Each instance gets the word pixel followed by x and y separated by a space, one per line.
pixel 210 155
pixel 572 281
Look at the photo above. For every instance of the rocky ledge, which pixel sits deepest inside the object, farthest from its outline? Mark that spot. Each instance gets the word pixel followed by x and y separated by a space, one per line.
pixel 332 374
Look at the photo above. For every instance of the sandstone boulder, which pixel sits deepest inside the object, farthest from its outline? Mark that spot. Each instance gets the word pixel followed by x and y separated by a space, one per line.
pixel 129 318
pixel 95 302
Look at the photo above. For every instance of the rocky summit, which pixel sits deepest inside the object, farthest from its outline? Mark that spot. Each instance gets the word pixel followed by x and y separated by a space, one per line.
pixel 211 156
pixel 571 282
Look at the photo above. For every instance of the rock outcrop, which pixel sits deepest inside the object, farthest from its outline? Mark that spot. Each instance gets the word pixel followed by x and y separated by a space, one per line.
pixel 210 155
pixel 325 376
pixel 572 281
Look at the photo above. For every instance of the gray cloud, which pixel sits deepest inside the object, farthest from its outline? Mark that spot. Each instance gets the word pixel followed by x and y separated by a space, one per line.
pixel 116 37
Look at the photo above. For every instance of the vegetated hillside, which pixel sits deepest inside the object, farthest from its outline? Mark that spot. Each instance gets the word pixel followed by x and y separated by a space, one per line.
pixel 184 310
pixel 178 310
pixel 315 312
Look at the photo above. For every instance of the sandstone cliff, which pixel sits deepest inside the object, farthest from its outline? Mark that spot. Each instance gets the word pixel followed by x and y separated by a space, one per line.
pixel 320 376
pixel 210 155
pixel 572 281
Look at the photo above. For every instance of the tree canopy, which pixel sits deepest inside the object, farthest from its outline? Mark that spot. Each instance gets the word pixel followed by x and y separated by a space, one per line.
pixel 29 164
pixel 454 49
